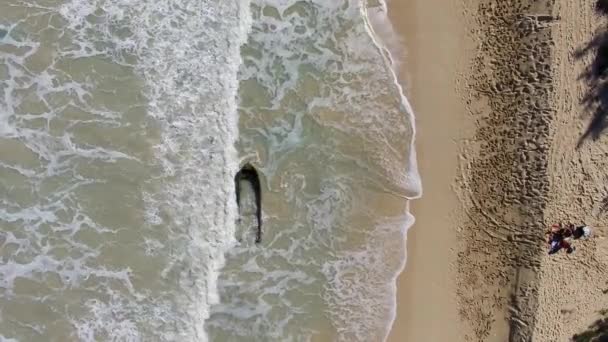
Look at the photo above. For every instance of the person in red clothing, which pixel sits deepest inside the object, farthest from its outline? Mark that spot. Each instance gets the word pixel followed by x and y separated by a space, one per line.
pixel 558 237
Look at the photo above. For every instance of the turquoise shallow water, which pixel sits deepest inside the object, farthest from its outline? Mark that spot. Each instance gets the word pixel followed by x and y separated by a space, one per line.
pixel 122 124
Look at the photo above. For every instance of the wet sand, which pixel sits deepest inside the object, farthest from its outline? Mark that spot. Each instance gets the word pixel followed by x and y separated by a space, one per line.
pixel 433 38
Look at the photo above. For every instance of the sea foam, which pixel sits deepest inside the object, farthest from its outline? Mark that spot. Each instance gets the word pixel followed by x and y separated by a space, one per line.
pixel 117 129
pixel 323 117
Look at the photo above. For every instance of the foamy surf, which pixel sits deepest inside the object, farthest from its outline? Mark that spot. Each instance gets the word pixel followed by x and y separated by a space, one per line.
pixel 118 122
pixel 390 45
pixel 323 117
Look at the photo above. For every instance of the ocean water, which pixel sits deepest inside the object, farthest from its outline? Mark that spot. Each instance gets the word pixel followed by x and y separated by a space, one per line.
pixel 122 125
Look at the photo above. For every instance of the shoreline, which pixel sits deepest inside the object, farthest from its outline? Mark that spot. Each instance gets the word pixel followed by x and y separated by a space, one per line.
pixel 432 35
pixel 502 98
pixel 481 85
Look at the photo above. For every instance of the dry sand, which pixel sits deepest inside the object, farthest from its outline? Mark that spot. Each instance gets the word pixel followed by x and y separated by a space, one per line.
pixel 574 288
pixel 498 95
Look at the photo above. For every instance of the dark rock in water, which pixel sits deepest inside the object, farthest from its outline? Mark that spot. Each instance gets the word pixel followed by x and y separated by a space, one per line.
pixel 3 33
pixel 249 174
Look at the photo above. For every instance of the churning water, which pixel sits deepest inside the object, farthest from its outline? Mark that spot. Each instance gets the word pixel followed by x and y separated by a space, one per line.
pixel 122 125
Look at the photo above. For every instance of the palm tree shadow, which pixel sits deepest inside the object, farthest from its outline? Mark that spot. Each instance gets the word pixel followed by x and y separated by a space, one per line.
pixel 601 7
pixel 597 332
pixel 595 100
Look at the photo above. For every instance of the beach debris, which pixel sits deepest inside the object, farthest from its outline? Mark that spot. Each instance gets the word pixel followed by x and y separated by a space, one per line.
pixel 582 232
pixel 539 17
pixel 535 22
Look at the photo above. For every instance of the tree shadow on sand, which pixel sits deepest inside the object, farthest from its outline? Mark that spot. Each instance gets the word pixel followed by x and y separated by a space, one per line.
pixel 596 75
pixel 601 6
pixel 597 332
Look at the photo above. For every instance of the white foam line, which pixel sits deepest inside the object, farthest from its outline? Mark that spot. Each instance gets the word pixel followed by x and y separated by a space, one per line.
pixel 412 164
pixel 7 339
pixel 387 58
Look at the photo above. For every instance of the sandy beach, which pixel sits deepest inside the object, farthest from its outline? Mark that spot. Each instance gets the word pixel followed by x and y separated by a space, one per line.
pixel 427 308
pixel 503 97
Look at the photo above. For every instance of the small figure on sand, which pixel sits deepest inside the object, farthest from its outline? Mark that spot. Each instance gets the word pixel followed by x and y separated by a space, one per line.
pixel 559 236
